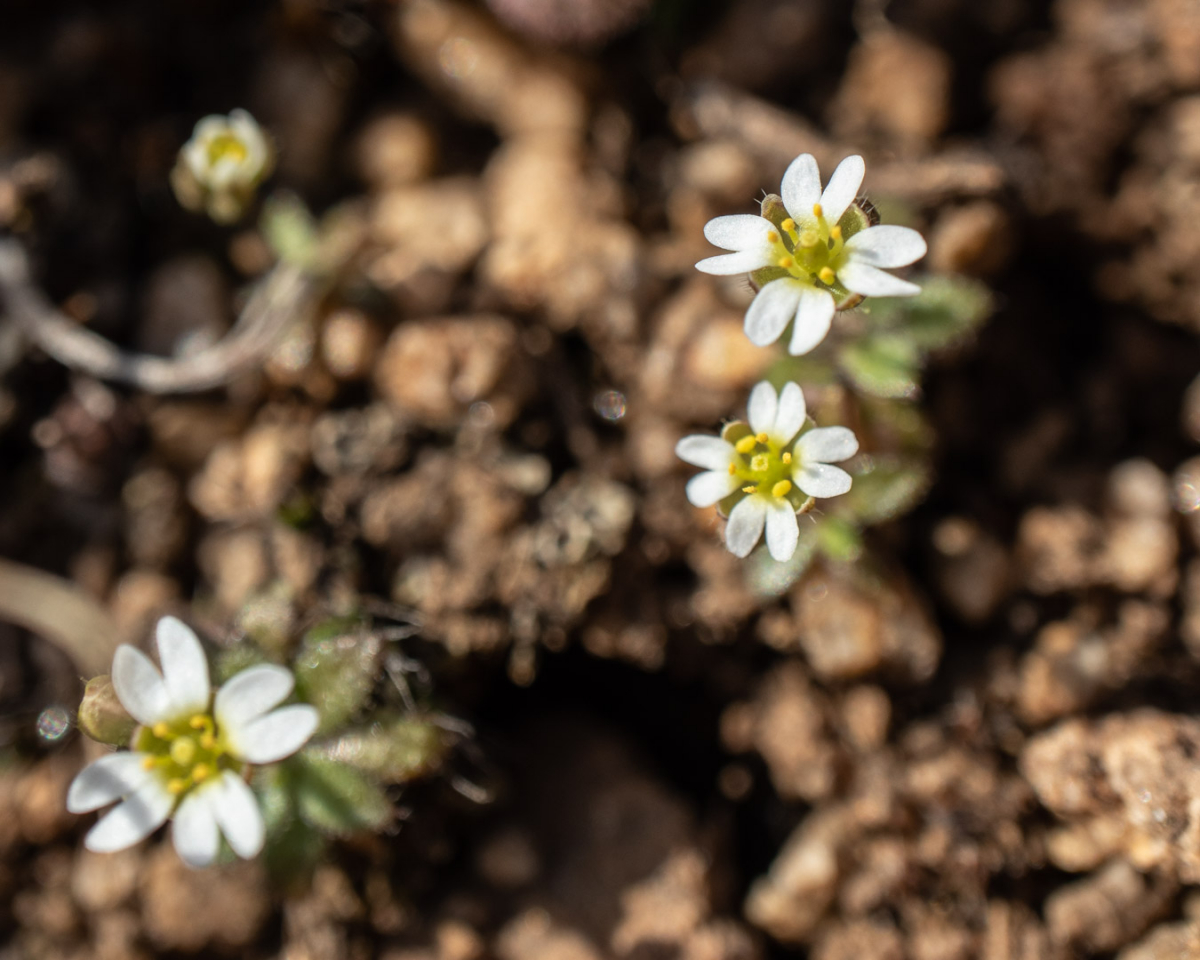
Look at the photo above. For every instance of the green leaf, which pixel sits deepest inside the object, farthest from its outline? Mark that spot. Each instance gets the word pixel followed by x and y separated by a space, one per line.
pixel 806 370
pixel 838 539
pixel 947 310
pixel 885 365
pixel 393 749
pixel 767 577
pixel 234 660
pixel 334 797
pixel 336 669
pixel 889 488
pixel 290 230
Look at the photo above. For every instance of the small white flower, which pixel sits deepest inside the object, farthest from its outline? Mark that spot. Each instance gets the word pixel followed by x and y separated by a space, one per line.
pixel 223 163
pixel 818 259
pixel 769 468
pixel 187 759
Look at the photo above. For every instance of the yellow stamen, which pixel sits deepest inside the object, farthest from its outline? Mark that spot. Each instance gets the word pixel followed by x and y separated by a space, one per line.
pixel 761 438
pixel 827 275
pixel 772 237
pixel 787 457
pixel 818 211
pixel 789 224
pixel 732 469
pixel 176 785
pixel 835 232
pixel 786 262
pixel 147 763
pixel 745 445
pixel 160 730
pixel 781 488
pixel 198 721
pixel 751 488
pixel 208 741
pixel 200 772
pixel 183 751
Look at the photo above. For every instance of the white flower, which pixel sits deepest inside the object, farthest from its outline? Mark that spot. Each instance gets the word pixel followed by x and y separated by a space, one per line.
pixel 767 464
pixel 187 759
pixel 819 253
pixel 220 167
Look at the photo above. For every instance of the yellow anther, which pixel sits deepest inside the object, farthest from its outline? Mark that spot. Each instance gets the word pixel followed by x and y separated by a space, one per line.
pixel 176 785
pixel 732 469
pixel 772 237
pixel 201 772
pixel 818 211
pixel 789 225
pixel 750 488
pixel 787 457
pixel 781 488
pixel 198 721
pixel 160 730
pixel 787 262
pixel 835 232
pixel 208 741
pixel 761 438
pixel 183 751
pixel 147 763
pixel 827 275
pixel 745 445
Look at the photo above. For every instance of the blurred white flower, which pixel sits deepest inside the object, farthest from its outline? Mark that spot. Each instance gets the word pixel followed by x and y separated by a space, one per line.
pixel 221 166
pixel 762 473
pixel 819 256
pixel 187 760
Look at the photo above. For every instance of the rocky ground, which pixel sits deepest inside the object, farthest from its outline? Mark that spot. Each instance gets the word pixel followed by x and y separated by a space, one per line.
pixel 979 741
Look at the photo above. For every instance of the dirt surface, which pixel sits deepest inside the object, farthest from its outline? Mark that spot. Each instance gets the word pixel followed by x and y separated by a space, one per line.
pixel 977 741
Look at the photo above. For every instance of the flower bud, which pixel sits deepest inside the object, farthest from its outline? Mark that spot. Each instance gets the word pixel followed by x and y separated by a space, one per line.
pixel 221 166
pixel 101 715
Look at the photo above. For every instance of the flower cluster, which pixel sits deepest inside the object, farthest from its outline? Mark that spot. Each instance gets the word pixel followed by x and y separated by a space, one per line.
pixel 220 167
pixel 191 752
pixel 811 253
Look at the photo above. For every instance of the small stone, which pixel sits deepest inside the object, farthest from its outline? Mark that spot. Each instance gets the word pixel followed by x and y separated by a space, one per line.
pixel 101 882
pixel 350 342
pixel 975 239
pixel 508 860
pixel 395 150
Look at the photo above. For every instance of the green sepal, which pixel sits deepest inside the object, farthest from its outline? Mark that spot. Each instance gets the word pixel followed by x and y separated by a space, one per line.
pixel 856 219
pixel 333 797
pixel 774 210
pixel 764 275
pixel 889 488
pixel 839 539
pixel 102 716
pixel 336 668
pixel 393 749
pixel 734 430
pixel 885 365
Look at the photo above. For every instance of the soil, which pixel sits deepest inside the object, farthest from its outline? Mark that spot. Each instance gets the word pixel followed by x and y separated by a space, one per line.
pixel 979 741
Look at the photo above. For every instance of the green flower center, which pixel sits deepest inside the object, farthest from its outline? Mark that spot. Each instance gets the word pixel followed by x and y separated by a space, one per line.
pixel 226 145
pixel 764 465
pixel 812 251
pixel 186 752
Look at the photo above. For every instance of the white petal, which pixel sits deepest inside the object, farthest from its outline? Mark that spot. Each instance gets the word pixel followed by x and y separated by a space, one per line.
pixel 741 232
pixel 783 532
pixel 822 480
pixel 745 525
pixel 731 264
pixel 250 694
pixel 827 445
pixel 711 453
pixel 238 816
pixel 791 414
pixel 887 246
pixel 185 669
pixel 873 282
pixel 277 735
pixel 772 310
pixel 801 187
pixel 140 686
pixel 105 780
pixel 713 486
pixel 133 819
pixel 194 828
pixel 761 407
pixel 842 188
pixel 814 315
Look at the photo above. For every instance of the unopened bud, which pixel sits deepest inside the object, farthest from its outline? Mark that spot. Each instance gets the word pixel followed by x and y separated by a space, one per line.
pixel 101 715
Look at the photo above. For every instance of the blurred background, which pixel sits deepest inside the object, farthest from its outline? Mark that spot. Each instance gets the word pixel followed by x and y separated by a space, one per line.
pixel 961 724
